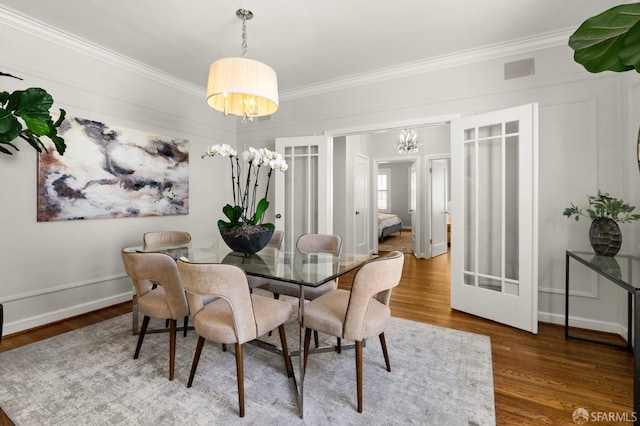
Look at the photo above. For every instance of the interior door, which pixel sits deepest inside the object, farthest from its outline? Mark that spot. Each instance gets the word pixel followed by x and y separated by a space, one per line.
pixel 438 169
pixel 361 204
pixel 413 205
pixel 494 216
pixel 303 193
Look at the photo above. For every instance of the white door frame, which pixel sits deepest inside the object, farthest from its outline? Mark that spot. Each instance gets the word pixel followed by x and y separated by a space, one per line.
pixel 374 202
pixel 428 206
pixel 384 127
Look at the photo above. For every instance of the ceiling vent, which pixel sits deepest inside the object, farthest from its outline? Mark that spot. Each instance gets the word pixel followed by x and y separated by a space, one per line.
pixel 519 69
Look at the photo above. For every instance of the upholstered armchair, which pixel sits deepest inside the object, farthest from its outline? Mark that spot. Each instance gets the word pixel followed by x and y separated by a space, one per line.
pixel 358 314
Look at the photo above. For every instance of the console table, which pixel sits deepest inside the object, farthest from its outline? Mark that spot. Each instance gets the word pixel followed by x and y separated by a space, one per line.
pixel 624 271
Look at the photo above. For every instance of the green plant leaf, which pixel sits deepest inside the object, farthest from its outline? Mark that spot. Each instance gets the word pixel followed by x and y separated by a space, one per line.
pixel 269 225
pixel 262 206
pixel 5 150
pixel 36 126
pixel 629 53
pixel 233 213
pixel 9 126
pixel 599 42
pixel 35 104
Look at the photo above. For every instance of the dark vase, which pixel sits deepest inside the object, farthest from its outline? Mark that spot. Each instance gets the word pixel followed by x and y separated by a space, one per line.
pixel 246 239
pixel 605 236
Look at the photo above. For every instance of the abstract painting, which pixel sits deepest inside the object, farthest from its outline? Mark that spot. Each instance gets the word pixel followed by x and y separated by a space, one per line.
pixel 111 172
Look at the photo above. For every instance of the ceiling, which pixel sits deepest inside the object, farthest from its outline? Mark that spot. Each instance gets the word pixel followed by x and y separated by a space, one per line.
pixel 307 43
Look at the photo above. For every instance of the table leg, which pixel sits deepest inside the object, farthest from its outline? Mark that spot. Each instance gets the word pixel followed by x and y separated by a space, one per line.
pixel 301 357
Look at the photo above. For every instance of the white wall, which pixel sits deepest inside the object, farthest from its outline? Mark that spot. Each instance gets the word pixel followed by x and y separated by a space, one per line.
pixel 582 148
pixel 53 270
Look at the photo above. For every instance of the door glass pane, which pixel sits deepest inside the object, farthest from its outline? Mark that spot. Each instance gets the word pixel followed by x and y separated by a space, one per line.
pixel 469 134
pixel 312 205
pixel 490 207
pixel 512 127
pixel 300 150
pixel 469 208
pixel 511 212
pixel 490 131
pixel 469 279
pixel 300 182
pixel 512 288
pixel 490 283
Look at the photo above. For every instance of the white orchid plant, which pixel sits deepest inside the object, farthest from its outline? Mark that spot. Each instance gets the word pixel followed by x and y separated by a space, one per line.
pixel 246 208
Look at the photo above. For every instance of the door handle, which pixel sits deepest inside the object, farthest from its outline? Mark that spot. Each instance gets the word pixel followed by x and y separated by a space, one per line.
pixel 278 216
pixel 357 212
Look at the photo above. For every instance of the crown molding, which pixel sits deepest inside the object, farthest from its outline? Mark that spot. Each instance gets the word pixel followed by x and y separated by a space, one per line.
pixel 41 30
pixel 510 48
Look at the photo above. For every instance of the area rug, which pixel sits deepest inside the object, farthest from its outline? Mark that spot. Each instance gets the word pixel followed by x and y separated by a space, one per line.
pixel 88 377
pixel 400 241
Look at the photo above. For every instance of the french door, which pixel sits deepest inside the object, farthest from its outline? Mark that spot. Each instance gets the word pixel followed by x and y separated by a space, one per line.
pixel 303 193
pixel 494 216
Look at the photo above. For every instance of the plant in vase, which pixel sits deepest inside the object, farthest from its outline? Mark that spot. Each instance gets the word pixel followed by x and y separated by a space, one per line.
pixel 605 213
pixel 245 231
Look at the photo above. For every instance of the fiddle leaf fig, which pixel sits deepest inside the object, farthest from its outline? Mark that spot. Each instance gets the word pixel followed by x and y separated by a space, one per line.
pixel 609 41
pixel 25 114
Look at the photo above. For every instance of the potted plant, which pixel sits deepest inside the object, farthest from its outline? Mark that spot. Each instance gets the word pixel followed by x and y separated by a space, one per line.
pixel 605 213
pixel 25 114
pixel 245 231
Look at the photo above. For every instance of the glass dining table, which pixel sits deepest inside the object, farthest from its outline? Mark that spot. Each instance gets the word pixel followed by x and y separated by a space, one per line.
pixel 305 270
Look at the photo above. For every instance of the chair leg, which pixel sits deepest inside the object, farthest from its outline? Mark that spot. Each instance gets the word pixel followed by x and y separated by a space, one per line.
pixel 339 345
pixel 285 350
pixel 383 343
pixel 224 347
pixel 172 347
pixel 359 373
pixel 307 343
pixel 240 372
pixel 196 359
pixel 143 330
pixel 166 323
pixel 316 340
pixel 186 324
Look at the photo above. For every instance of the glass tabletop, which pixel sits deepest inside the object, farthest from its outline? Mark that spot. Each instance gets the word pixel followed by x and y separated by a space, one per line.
pixel 309 270
pixel 622 268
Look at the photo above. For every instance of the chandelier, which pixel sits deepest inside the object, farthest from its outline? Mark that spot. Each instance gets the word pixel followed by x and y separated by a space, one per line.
pixel 408 142
pixel 242 86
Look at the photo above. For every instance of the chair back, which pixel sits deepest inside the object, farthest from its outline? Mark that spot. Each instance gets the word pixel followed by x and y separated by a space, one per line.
pixel 165 237
pixel 276 239
pixel 319 243
pixel 371 284
pixel 204 282
pixel 146 269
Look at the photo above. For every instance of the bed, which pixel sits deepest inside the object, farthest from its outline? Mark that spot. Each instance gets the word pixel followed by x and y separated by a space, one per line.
pixel 388 223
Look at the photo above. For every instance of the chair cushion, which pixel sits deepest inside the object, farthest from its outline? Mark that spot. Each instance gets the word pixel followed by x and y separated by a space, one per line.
pixel 269 313
pixel 326 314
pixel 215 321
pixel 293 290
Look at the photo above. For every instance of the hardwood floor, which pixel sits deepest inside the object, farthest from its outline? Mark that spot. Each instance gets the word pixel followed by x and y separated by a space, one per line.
pixel 538 379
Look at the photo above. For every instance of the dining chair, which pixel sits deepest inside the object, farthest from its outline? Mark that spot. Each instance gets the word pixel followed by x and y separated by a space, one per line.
pixel 358 314
pixel 275 242
pixel 165 237
pixel 224 311
pixel 166 301
pixel 309 244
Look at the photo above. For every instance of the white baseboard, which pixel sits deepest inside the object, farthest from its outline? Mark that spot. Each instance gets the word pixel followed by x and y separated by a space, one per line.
pixel 49 317
pixel 586 323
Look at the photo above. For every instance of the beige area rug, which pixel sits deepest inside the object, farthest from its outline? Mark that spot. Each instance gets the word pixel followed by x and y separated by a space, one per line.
pixel 88 377
pixel 400 241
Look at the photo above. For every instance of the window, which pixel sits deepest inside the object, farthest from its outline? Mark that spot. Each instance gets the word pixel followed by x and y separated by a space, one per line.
pixel 384 188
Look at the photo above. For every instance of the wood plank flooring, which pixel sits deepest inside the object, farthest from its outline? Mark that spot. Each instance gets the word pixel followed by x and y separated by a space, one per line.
pixel 538 379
